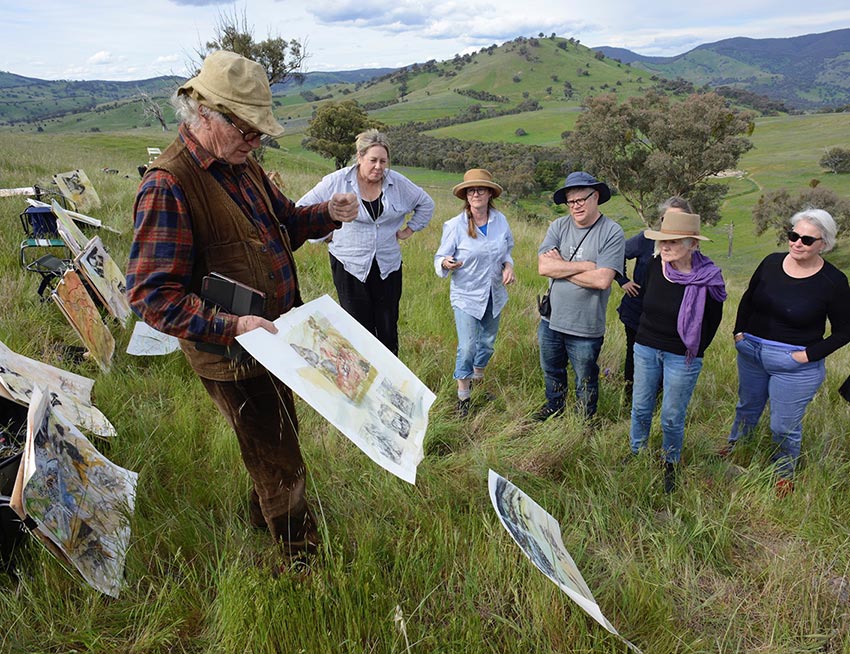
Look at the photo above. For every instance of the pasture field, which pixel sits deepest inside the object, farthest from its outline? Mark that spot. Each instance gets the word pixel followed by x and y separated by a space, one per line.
pixel 721 565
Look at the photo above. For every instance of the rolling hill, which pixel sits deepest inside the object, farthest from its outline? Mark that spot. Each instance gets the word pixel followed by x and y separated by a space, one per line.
pixel 805 72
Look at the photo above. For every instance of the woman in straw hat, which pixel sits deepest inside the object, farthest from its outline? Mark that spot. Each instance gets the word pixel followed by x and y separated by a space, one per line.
pixel 476 251
pixel 682 308
pixel 779 336
pixel 365 254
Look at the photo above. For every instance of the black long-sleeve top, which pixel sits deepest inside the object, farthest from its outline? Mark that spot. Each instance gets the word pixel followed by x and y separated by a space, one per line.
pixel 661 301
pixel 778 307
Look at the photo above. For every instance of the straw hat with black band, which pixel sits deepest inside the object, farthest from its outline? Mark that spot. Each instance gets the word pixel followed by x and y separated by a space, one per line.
pixel 231 84
pixel 474 178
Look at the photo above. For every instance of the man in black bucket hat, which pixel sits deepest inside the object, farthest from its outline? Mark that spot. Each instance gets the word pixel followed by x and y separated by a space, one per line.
pixel 580 255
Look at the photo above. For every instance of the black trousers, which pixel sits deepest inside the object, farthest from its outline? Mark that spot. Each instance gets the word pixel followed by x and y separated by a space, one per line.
pixel 373 303
pixel 629 372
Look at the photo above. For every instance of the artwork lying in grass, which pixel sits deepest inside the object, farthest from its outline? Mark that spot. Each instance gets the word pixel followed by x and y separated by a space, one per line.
pixel 70 394
pixel 80 501
pixel 80 310
pixel 351 379
pixel 68 230
pixel 75 186
pixel 538 535
pixel 106 278
pixel 149 342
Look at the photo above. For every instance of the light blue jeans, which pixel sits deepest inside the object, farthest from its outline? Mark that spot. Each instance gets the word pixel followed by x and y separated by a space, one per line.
pixel 556 350
pixel 767 371
pixel 680 378
pixel 475 340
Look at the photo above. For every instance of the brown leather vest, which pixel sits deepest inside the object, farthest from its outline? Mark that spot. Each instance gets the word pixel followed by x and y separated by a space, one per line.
pixel 227 242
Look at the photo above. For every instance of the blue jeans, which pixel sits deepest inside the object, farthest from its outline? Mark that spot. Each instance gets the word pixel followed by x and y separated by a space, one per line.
pixel 767 371
pixel 475 340
pixel 679 380
pixel 556 351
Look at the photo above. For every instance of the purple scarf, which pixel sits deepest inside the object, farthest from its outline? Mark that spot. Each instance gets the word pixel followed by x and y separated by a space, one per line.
pixel 704 276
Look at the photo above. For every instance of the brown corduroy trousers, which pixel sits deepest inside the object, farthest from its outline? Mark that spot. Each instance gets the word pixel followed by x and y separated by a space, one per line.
pixel 262 414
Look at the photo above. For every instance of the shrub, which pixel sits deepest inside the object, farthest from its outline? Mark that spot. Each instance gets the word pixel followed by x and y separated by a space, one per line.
pixel 836 160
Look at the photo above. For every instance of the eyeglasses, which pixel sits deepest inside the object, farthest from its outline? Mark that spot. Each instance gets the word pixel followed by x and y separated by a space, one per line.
pixel 478 190
pixel 807 240
pixel 577 202
pixel 246 136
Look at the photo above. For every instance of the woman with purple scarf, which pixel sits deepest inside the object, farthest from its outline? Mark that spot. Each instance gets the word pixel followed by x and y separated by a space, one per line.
pixel 682 308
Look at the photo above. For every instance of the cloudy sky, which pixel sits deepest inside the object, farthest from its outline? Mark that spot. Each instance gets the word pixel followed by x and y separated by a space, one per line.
pixel 104 39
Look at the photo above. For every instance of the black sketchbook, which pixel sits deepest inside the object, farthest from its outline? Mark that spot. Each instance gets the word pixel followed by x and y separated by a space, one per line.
pixel 232 297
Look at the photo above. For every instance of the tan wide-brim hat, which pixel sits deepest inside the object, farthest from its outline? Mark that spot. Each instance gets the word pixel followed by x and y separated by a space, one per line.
pixel 677 224
pixel 231 84
pixel 473 178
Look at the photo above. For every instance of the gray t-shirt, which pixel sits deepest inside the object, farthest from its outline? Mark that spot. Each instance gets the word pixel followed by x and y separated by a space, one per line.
pixel 575 310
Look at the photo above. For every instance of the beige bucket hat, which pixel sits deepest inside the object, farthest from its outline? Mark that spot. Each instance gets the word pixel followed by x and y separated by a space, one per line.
pixel 234 85
pixel 677 224
pixel 475 177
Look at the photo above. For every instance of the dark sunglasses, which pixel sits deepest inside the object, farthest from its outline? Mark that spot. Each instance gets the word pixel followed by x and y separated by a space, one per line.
pixel 807 240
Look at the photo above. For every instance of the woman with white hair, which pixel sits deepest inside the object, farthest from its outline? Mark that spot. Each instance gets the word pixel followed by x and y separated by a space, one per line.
pixel 779 335
pixel 682 309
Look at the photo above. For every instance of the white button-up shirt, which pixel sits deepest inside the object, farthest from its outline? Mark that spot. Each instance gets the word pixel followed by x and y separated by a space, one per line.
pixel 483 258
pixel 358 243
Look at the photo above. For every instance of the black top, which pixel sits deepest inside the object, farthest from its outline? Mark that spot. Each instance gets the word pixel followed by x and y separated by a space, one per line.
pixel 374 207
pixel 778 307
pixel 661 301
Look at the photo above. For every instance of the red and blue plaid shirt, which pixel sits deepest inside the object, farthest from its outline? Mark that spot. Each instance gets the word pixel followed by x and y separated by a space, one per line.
pixel 159 273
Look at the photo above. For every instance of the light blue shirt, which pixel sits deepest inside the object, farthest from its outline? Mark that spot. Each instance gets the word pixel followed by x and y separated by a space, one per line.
pixel 358 243
pixel 483 258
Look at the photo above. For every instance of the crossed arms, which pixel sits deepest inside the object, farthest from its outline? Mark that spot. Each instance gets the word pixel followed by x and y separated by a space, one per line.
pixel 581 273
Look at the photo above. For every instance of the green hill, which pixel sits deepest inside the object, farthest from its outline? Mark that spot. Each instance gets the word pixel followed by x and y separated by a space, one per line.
pixel 804 72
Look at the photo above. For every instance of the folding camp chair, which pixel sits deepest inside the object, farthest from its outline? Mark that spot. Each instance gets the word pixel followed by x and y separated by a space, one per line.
pixel 39 225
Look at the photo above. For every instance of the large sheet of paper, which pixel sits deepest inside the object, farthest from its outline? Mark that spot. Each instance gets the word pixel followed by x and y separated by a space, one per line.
pixel 70 393
pixel 149 342
pixel 538 535
pixel 80 310
pixel 68 230
pixel 75 186
pixel 350 378
pixel 81 502
pixel 106 278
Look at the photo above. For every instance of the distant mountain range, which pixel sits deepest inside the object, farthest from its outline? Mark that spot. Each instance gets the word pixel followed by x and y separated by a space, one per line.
pixel 31 99
pixel 804 72
pixel 809 72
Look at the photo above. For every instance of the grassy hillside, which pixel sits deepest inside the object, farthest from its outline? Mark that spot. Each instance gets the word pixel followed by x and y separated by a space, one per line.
pixel 720 566
pixel 522 69
pixel 804 72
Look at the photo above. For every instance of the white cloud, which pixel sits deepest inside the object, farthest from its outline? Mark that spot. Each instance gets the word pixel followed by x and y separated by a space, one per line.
pixel 100 58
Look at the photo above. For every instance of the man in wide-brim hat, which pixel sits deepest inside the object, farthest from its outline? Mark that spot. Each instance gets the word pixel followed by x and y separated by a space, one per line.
pixel 580 254
pixel 205 206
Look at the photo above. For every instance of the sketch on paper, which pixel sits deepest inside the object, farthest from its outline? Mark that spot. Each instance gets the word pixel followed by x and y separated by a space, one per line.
pixel 350 378
pixel 81 502
pixel 80 310
pixel 75 186
pixel 332 355
pixel 104 275
pixel 68 230
pixel 70 394
pixel 538 535
pixel 149 342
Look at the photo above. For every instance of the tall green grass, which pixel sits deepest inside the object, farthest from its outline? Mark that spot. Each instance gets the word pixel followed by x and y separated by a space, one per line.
pixel 719 566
